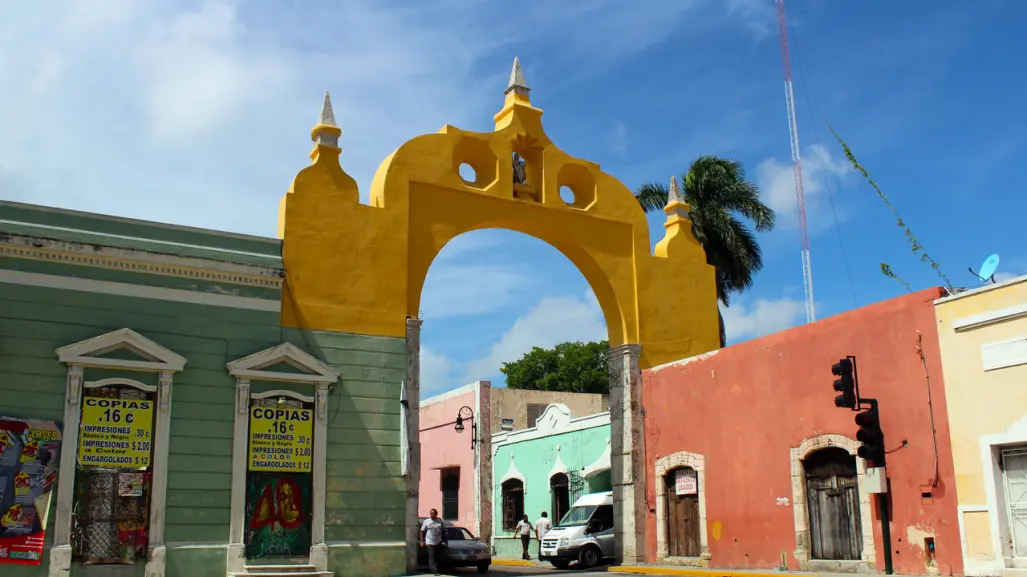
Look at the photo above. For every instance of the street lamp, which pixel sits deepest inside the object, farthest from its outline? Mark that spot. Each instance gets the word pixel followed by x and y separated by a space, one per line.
pixel 460 423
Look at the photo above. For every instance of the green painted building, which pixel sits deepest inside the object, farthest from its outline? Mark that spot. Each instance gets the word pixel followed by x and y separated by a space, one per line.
pixel 546 468
pixel 199 437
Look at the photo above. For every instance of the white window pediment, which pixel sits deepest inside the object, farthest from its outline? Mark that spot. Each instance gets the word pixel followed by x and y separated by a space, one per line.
pixel 283 363
pixel 97 351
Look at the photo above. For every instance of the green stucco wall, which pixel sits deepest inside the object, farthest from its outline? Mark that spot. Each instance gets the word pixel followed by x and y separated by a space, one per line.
pixel 535 460
pixel 365 491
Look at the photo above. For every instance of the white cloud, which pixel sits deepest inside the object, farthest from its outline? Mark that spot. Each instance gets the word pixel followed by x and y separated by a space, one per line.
pixel 819 170
pixel 551 322
pixel 436 372
pixel 197 111
pixel 1004 276
pixel 473 289
pixel 762 317
pixel 200 69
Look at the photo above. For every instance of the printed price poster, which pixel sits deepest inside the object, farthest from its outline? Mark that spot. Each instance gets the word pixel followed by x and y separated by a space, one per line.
pixel 30 453
pixel 685 482
pixel 281 439
pixel 115 433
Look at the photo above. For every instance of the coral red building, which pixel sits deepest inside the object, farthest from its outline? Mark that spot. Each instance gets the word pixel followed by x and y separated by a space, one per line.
pixel 750 464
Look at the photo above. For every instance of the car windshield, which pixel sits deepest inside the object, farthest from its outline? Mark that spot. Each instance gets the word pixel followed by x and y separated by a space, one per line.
pixel 577 516
pixel 458 534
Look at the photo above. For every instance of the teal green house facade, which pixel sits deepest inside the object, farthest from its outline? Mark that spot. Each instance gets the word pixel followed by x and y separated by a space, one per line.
pixel 116 328
pixel 546 468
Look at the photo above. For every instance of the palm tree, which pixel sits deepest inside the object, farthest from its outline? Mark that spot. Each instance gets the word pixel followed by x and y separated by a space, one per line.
pixel 715 190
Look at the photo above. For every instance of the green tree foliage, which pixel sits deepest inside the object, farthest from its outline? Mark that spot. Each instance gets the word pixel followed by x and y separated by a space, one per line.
pixel 569 367
pixel 716 191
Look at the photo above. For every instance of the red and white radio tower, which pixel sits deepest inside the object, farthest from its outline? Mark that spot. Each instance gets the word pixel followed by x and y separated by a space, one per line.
pixel 793 134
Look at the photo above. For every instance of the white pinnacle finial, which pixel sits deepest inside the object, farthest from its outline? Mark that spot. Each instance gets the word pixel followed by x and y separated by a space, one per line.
pixel 517 82
pixel 675 194
pixel 327 114
pixel 326 118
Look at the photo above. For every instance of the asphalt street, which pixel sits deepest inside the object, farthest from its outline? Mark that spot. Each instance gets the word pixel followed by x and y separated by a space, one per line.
pixel 511 571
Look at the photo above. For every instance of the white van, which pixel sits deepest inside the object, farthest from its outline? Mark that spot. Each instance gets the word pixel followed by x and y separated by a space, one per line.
pixel 585 534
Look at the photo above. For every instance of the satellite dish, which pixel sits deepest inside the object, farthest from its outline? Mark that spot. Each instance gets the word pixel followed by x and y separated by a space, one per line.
pixel 987 270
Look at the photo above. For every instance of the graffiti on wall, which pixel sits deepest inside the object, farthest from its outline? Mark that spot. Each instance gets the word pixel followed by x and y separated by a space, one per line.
pixel 278 509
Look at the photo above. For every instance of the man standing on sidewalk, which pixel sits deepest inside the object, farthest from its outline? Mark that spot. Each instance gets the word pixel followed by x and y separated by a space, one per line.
pixel 542 526
pixel 433 535
pixel 524 529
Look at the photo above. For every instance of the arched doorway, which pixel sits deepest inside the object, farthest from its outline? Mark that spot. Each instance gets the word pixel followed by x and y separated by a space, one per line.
pixel 559 489
pixel 832 505
pixel 682 513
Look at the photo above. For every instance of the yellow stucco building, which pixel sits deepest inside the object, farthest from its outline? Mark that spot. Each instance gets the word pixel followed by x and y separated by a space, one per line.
pixel 983 336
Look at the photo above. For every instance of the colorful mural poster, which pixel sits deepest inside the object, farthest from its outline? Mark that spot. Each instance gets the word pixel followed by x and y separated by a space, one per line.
pixel 30 453
pixel 281 439
pixel 115 433
pixel 277 515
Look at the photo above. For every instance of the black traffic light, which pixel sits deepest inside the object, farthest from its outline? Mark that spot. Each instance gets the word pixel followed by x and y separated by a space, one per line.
pixel 870 436
pixel 844 384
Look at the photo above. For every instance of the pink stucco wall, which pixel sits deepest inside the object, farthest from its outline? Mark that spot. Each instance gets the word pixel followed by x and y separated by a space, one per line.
pixel 442 446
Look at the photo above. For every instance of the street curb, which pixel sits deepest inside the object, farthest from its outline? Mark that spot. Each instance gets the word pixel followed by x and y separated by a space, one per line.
pixel 696 572
pixel 513 562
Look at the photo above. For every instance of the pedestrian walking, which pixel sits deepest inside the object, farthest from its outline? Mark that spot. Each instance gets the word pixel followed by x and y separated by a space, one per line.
pixel 542 526
pixel 433 536
pixel 524 529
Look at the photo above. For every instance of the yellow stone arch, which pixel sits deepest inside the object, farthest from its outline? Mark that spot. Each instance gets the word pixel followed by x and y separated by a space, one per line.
pixel 360 268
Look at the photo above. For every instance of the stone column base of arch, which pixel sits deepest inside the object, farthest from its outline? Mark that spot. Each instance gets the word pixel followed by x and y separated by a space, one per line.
pixel 626 453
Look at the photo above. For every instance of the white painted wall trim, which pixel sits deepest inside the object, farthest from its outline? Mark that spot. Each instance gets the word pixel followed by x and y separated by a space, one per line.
pixel 667 464
pixel 602 463
pixel 975 567
pixel 114 382
pixel 558 467
pixel 514 473
pixel 994 490
pixel 1003 354
pixel 800 513
pixel 448 395
pixel 581 423
pixel 85 353
pixel 253 366
pixel 979 290
pixel 77 357
pixel 243 370
pixel 132 260
pixel 138 291
pixel 986 318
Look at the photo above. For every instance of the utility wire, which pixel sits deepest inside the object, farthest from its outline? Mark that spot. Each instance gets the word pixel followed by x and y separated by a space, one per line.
pixel 827 180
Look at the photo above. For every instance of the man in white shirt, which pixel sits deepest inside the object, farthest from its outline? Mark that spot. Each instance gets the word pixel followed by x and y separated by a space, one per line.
pixel 542 526
pixel 433 535
pixel 524 529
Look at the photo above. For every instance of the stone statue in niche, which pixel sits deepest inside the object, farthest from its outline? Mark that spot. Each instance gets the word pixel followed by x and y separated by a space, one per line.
pixel 520 169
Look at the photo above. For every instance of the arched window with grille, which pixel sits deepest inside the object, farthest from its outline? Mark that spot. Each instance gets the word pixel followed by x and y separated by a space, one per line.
pixel 513 503
pixel 559 489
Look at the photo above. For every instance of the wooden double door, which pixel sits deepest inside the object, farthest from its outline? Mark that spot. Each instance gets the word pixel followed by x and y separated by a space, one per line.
pixel 832 501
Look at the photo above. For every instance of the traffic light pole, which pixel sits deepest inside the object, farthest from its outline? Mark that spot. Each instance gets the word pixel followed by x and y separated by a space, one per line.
pixel 883 509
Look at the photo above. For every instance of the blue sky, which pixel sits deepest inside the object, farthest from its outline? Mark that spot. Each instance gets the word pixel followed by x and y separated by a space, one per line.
pixel 198 113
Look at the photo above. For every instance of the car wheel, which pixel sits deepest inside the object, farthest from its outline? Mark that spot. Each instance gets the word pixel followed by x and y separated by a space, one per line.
pixel 589 557
pixel 560 563
pixel 483 567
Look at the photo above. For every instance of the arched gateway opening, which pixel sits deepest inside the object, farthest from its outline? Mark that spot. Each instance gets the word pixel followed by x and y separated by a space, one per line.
pixel 360 269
